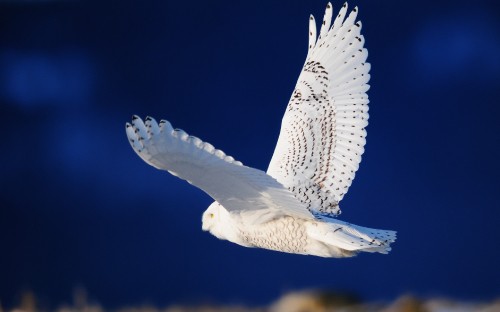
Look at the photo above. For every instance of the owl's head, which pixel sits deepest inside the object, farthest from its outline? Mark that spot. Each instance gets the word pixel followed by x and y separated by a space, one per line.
pixel 213 220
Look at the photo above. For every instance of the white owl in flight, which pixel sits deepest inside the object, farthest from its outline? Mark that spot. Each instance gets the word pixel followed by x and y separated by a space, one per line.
pixel 292 207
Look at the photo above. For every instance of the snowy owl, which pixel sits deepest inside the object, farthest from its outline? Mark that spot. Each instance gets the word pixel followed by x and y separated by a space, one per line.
pixel 291 207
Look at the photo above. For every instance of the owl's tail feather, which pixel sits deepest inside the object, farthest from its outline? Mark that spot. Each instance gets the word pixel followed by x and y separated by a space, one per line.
pixel 351 239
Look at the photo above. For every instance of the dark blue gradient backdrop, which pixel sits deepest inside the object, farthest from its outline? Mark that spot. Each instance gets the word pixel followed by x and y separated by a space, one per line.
pixel 80 209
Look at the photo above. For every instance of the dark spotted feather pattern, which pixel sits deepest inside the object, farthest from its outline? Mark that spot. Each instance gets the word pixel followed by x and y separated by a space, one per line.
pixel 323 130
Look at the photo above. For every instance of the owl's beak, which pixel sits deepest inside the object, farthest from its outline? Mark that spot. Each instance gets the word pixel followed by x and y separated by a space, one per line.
pixel 204 225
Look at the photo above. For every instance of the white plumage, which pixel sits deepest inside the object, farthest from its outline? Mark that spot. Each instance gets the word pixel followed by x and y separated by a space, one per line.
pixel 291 208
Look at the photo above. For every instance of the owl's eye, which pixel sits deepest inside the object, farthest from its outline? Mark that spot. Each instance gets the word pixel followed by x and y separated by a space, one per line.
pixel 211 216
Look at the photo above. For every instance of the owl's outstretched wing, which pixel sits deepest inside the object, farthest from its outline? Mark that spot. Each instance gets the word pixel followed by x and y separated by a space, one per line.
pixel 323 132
pixel 240 189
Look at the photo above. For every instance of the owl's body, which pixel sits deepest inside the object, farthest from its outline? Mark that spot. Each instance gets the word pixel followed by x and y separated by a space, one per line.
pixel 291 207
pixel 324 237
pixel 285 234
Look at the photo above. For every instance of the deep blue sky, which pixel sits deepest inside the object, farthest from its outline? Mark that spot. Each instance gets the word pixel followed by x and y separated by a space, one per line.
pixel 79 208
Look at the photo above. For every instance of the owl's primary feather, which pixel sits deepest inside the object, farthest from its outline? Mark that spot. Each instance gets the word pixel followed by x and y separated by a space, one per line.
pixel 319 149
pixel 239 188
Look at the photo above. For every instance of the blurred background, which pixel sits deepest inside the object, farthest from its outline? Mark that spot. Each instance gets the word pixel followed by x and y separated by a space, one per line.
pixel 78 209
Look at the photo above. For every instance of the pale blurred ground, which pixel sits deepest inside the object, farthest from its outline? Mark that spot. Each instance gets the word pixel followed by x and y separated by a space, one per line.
pixel 305 301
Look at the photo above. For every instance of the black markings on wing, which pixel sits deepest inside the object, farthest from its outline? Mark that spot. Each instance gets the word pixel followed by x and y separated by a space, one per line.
pixel 309 160
pixel 323 131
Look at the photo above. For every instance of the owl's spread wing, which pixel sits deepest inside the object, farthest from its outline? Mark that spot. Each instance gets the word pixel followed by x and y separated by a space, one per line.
pixel 323 132
pixel 240 189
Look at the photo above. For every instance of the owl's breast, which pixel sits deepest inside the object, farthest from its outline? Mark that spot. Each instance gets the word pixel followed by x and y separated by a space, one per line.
pixel 286 234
